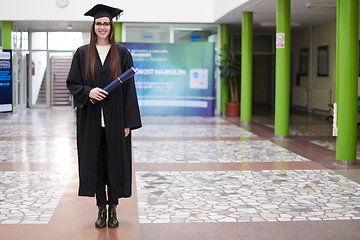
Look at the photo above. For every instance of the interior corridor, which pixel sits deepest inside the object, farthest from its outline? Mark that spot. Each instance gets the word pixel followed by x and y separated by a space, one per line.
pixel 194 178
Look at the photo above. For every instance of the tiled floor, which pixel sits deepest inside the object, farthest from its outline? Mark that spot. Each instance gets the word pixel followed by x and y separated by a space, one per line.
pixel 194 178
pixel 246 196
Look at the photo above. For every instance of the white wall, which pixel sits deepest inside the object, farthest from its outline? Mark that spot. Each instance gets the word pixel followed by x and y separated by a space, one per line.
pixel 313 38
pixel 324 35
pixel 40 60
pixel 222 7
pixel 162 11
pixel 134 11
pixel 299 41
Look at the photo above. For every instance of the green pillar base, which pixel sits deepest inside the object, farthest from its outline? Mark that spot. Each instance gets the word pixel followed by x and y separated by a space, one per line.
pixel 345 162
pixel 281 137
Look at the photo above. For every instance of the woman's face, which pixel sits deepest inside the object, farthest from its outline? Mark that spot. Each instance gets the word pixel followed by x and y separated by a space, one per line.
pixel 102 27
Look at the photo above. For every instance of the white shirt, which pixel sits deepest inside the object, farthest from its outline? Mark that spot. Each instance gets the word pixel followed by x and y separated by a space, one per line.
pixel 103 52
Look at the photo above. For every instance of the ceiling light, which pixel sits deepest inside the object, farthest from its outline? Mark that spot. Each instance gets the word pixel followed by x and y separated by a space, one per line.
pixel 273 24
pixel 187 29
pixel 321 5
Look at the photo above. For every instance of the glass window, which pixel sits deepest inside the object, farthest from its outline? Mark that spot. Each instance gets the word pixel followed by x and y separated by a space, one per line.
pixel 86 37
pixel 20 38
pixel 39 40
pixel 25 41
pixel 65 40
pixel 194 34
pixel 151 34
pixel 164 34
pixel 17 40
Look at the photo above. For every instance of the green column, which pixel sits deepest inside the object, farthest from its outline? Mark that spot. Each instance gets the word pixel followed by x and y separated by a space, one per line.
pixel 224 43
pixel 118 31
pixel 348 81
pixel 246 66
pixel 6 34
pixel 282 77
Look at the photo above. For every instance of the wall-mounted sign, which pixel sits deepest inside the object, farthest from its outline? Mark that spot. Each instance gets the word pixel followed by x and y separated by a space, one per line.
pixel 5 81
pixel 280 40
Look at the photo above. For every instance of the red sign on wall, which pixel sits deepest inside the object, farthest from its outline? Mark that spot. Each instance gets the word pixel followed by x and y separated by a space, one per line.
pixel 280 40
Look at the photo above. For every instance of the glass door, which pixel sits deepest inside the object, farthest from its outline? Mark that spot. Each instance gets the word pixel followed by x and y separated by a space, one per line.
pixel 60 63
pixel 39 94
pixel 20 73
pixel 51 56
pixel 39 82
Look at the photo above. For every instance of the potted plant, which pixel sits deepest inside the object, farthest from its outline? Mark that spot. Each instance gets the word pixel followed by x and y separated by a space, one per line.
pixel 230 71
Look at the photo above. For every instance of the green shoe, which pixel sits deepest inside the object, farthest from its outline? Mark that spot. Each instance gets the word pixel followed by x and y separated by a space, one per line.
pixel 112 222
pixel 101 220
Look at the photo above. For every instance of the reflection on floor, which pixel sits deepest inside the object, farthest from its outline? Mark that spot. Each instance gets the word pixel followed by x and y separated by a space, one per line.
pixel 194 178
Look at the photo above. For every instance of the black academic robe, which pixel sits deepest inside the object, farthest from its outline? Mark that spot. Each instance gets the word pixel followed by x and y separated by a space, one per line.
pixel 121 111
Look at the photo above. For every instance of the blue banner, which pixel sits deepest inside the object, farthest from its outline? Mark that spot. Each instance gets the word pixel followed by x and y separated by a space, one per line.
pixel 5 81
pixel 174 79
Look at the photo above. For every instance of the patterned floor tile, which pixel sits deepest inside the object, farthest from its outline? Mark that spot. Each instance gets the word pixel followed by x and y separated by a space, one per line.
pixel 59 150
pixel 30 197
pixel 181 119
pixel 211 151
pixel 196 130
pixel 246 196
pixel 37 130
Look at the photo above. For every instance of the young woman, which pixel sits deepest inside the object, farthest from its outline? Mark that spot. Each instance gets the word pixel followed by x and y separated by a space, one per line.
pixel 104 128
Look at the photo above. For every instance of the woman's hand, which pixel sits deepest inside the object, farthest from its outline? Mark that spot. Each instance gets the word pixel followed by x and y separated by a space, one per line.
pixel 127 131
pixel 98 94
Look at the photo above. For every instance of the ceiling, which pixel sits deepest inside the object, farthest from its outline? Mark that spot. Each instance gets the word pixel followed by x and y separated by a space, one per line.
pixel 263 11
pixel 76 26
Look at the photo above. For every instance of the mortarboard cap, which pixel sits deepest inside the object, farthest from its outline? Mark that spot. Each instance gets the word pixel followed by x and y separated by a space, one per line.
pixel 100 10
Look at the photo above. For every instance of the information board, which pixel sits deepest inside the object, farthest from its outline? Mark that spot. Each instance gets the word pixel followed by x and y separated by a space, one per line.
pixel 174 79
pixel 5 81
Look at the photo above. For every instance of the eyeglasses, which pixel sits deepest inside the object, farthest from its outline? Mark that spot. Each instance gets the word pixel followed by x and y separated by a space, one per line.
pixel 104 24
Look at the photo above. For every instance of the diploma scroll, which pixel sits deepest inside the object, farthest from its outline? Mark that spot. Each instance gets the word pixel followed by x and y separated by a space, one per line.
pixel 117 82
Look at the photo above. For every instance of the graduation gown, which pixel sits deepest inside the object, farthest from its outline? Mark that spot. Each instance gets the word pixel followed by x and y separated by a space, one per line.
pixel 120 110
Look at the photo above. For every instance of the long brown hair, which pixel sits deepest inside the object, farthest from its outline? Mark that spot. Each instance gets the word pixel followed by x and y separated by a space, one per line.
pixel 115 65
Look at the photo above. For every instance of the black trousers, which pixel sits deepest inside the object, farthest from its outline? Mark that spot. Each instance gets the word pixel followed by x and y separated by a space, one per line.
pixel 103 184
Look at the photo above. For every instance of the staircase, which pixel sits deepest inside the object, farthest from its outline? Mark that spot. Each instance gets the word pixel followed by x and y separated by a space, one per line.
pixel 60 66
pixel 42 92
pixel 60 70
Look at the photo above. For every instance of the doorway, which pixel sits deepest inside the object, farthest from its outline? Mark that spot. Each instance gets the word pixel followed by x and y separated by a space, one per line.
pixel 49 72
pixel 50 62
pixel 263 79
pixel 59 66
